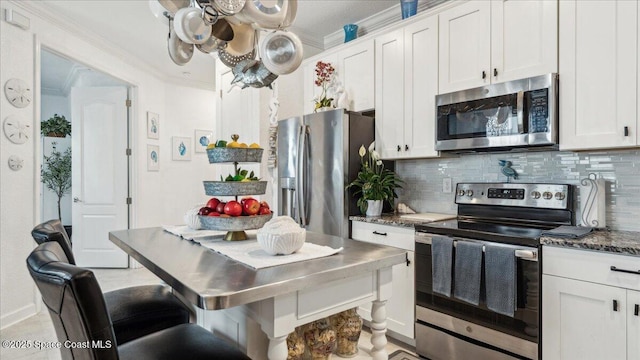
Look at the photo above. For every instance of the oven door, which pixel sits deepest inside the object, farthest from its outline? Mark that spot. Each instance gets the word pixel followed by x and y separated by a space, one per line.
pixel 476 329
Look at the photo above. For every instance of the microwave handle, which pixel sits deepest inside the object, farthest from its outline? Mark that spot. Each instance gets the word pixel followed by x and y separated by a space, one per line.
pixel 520 109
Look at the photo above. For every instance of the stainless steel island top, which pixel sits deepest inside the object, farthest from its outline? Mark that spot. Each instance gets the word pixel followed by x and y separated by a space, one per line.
pixel 213 281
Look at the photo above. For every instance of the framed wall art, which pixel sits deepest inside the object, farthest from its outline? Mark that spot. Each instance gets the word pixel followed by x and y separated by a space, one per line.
pixel 181 148
pixel 153 125
pixel 153 158
pixel 201 139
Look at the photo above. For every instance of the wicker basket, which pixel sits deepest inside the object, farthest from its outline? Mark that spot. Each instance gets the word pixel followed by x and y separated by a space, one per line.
pixel 222 155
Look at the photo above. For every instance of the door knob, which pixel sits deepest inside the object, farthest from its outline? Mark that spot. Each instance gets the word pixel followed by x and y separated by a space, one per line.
pixel 76 200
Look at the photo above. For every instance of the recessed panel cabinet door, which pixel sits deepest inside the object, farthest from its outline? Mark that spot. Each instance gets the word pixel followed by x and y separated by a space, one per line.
pixel 598 74
pixel 420 87
pixel 580 320
pixel 524 39
pixel 390 94
pixel 356 65
pixel 633 324
pixel 465 46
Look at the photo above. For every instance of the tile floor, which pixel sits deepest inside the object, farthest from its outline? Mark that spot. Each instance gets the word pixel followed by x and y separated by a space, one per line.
pixel 39 327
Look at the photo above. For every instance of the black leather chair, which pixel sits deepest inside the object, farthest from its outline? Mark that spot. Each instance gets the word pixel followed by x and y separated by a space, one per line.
pixel 135 311
pixel 82 323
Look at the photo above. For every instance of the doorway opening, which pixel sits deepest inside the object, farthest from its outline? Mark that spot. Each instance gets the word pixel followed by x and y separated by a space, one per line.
pixel 92 156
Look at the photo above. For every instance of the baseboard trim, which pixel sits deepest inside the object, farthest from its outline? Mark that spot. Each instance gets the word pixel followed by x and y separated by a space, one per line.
pixel 18 315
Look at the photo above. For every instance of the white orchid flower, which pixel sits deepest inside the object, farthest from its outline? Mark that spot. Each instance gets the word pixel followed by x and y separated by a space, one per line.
pixel 372 146
pixel 375 155
pixel 379 162
pixel 362 151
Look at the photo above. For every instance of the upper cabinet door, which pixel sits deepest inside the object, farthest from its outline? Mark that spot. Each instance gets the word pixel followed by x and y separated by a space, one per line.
pixel 524 39
pixel 465 46
pixel 389 95
pixel 356 65
pixel 421 87
pixel 598 74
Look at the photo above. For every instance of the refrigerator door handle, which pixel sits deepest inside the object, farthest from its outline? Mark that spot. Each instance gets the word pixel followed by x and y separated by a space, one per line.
pixel 300 188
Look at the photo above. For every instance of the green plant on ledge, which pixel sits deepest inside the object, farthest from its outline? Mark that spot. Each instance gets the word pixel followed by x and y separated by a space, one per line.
pixel 56 126
pixel 374 182
pixel 56 173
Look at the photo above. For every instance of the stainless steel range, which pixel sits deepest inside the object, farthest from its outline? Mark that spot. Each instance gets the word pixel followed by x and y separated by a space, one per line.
pixel 507 216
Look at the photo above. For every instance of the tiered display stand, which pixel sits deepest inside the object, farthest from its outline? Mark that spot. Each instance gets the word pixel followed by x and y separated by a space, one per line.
pixel 235 225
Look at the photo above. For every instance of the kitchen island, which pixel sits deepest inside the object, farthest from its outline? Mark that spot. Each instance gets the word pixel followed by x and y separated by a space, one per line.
pixel 277 298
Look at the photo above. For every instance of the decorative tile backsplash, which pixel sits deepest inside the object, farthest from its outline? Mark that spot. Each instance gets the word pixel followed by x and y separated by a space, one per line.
pixel 620 169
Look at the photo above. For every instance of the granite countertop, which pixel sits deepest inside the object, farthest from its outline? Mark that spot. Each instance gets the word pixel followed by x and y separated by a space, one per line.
pixel 621 242
pixel 387 219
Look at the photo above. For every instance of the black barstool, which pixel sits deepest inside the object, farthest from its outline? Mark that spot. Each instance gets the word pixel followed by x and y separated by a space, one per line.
pixel 135 311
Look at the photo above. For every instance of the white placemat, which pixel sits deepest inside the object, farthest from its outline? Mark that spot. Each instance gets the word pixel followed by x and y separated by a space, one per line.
pixel 250 253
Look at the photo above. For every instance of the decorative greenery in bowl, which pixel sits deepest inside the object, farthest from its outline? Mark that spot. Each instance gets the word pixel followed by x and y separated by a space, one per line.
pixel 374 182
pixel 56 126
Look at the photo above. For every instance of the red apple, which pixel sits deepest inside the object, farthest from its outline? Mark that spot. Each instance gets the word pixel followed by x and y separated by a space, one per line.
pixel 264 204
pixel 204 211
pixel 214 213
pixel 264 210
pixel 244 199
pixel 233 208
pixel 220 207
pixel 213 203
pixel 250 206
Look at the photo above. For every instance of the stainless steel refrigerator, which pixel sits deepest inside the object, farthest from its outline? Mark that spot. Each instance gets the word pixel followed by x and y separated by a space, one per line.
pixel 317 159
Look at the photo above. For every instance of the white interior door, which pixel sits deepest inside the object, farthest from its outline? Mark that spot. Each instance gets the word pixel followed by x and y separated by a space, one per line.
pixel 99 176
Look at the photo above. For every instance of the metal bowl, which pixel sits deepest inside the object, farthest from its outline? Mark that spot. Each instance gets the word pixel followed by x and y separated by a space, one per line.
pixel 221 155
pixel 230 188
pixel 234 223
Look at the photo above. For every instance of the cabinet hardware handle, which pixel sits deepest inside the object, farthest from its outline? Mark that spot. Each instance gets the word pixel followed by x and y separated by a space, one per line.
pixel 636 310
pixel 379 233
pixel 636 272
pixel 626 131
pixel 484 75
pixel 406 147
pixel 409 262
pixel 495 72
pixel 399 148
pixel 615 305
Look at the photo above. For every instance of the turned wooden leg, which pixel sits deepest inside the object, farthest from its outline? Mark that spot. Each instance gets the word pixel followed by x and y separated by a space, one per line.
pixel 277 348
pixel 379 330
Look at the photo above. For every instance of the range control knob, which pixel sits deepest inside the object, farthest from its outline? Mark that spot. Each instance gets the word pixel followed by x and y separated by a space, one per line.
pixel 560 196
pixel 547 195
pixel 460 192
pixel 535 194
pixel 469 193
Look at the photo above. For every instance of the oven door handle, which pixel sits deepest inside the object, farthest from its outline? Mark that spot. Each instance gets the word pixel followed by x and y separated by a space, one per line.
pixel 519 252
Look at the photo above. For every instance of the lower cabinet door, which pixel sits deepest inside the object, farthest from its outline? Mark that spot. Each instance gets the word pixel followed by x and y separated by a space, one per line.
pixel 583 320
pixel 633 325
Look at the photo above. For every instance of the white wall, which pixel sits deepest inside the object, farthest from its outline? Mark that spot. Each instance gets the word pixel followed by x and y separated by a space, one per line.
pixel 158 197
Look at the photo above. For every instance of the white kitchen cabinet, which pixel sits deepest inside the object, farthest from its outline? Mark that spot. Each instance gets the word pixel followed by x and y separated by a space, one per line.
pixel 353 64
pixel 598 74
pixel 406 86
pixel 483 42
pixel 401 306
pixel 588 310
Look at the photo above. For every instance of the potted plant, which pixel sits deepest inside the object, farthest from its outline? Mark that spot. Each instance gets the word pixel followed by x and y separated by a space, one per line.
pixel 56 126
pixel 324 79
pixel 374 183
pixel 56 173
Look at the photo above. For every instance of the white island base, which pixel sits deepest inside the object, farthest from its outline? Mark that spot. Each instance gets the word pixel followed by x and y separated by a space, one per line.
pixel 261 328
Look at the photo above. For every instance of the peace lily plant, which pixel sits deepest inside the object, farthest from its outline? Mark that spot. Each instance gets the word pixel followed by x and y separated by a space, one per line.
pixel 374 182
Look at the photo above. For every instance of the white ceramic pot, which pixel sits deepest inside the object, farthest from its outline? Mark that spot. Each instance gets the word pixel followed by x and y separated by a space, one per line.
pixel 374 207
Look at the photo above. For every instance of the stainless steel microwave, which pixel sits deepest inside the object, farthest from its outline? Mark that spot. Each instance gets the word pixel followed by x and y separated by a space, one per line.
pixel 515 115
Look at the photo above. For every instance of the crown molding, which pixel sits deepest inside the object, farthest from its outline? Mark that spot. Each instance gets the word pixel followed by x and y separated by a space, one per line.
pixel 35 8
pixel 377 21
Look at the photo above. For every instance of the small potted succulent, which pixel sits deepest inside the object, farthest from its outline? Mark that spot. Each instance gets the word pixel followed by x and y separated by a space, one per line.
pixel 56 126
